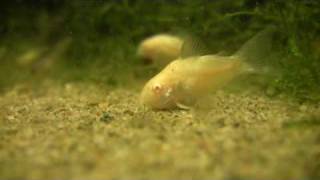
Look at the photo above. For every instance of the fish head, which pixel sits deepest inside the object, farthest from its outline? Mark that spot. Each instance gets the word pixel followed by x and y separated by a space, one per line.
pixel 158 95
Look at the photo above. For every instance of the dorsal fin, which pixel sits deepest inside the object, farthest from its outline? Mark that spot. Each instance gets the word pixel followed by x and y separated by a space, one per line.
pixel 192 47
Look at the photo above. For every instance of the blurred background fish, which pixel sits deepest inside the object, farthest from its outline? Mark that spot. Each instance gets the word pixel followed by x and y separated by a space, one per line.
pixel 160 49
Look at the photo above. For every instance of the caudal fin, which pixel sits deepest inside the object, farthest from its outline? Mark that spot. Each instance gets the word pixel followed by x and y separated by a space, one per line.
pixel 258 48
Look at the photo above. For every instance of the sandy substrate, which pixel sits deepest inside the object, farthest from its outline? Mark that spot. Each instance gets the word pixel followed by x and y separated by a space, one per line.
pixel 83 131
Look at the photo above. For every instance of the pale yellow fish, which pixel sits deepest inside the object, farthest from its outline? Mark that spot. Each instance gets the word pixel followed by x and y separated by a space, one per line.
pixel 185 80
pixel 160 49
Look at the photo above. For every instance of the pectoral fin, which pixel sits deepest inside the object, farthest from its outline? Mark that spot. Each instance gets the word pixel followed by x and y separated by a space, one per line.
pixel 183 106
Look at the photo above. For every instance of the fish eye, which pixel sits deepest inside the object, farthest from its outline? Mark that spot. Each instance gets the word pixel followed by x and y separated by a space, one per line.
pixel 156 88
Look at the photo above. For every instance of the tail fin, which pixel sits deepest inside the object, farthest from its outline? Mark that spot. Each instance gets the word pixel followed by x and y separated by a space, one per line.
pixel 258 48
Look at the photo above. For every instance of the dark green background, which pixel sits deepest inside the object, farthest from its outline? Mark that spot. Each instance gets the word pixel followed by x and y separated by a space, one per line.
pixel 106 34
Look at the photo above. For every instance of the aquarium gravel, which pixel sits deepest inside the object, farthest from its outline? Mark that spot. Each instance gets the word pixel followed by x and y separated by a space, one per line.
pixel 82 131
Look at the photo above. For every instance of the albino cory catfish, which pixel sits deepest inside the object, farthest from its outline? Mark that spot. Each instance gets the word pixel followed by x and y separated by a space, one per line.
pixel 186 79
pixel 160 49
